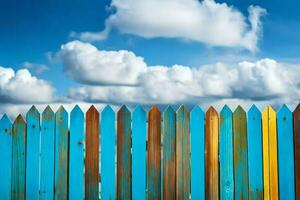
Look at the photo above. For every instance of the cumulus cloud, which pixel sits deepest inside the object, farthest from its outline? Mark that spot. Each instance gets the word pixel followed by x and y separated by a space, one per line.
pixel 122 77
pixel 37 68
pixel 208 22
pixel 21 87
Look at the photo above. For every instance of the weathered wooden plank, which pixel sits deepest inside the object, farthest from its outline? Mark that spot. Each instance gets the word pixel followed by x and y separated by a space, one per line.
pixel 76 155
pixel 169 153
pixel 296 120
pixel 197 154
pixel 47 154
pixel 226 154
pixel 255 154
pixel 212 154
pixel 18 159
pixel 6 157
pixel 154 154
pixel 108 162
pixel 33 153
pixel 92 154
pixel 124 189
pixel 139 154
pixel 240 154
pixel 61 154
pixel 270 153
pixel 285 153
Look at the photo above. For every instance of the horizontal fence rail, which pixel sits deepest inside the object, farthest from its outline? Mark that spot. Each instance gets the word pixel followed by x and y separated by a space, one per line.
pixel 169 154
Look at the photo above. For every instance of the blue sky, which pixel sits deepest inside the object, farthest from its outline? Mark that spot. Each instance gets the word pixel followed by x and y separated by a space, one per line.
pixel 32 34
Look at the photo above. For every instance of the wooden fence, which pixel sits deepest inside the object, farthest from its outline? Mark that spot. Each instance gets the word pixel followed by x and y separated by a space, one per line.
pixel 166 155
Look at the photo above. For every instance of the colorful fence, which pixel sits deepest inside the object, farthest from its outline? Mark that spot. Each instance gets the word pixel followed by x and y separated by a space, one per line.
pixel 166 155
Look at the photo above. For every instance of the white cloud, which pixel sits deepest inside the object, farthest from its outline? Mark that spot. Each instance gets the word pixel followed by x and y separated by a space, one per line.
pixel 21 87
pixel 208 22
pixel 37 68
pixel 120 79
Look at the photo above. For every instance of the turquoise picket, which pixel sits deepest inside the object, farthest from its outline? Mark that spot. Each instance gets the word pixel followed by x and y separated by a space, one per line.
pixel 226 154
pixel 61 154
pixel 285 153
pixel 5 155
pixel 32 155
pixel 76 155
pixel 255 169
pixel 138 153
pixel 18 159
pixel 47 154
pixel 197 154
pixel 108 142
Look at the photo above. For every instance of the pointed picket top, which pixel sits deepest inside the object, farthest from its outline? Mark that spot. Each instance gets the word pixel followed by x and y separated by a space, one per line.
pixel 169 110
pixel 48 113
pixel 297 109
pixel 268 109
pixel 139 111
pixel 226 110
pixel 211 111
pixel 197 110
pixel 76 110
pixel 183 109
pixel 32 111
pixel 284 112
pixel 5 124
pixel 92 109
pixel 253 110
pixel 19 119
pixel 239 111
pixel 124 110
pixel 154 109
pixel 61 110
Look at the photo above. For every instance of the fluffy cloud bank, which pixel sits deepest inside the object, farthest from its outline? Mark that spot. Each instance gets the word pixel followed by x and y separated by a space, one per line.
pixel 209 22
pixel 122 77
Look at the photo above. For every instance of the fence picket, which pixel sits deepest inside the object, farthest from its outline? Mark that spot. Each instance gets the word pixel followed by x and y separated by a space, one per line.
pixel 296 120
pixel 226 154
pixel 6 156
pixel 108 138
pixel 197 154
pixel 139 154
pixel 18 159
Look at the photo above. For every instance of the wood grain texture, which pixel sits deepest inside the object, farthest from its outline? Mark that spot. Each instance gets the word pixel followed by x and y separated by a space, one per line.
pixel 154 154
pixel 169 153
pixel 33 153
pixel 139 166
pixel 18 159
pixel 76 155
pixel 5 155
pixel 255 154
pixel 47 154
pixel 240 154
pixel 124 189
pixel 270 153
pixel 212 154
pixel 197 153
pixel 226 154
pixel 108 158
pixel 285 153
pixel 296 120
pixel 92 135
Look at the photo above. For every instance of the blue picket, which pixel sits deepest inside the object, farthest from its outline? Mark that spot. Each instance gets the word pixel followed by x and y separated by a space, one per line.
pixel 6 156
pixel 255 154
pixel 47 154
pixel 61 154
pixel 285 153
pixel 226 154
pixel 32 155
pixel 108 161
pixel 18 159
pixel 76 155
pixel 197 154
pixel 138 154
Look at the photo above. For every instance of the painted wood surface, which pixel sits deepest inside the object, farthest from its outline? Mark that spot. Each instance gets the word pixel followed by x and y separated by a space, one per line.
pixel 139 134
pixel 18 159
pixel 47 154
pixel 285 153
pixel 92 154
pixel 197 154
pixel 61 154
pixel 270 153
pixel 169 153
pixel 226 154
pixel 212 154
pixel 154 154
pixel 108 162
pixel 76 156
pixel 5 155
pixel 32 153
pixel 296 124
pixel 124 189
pixel 240 154
pixel 255 164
